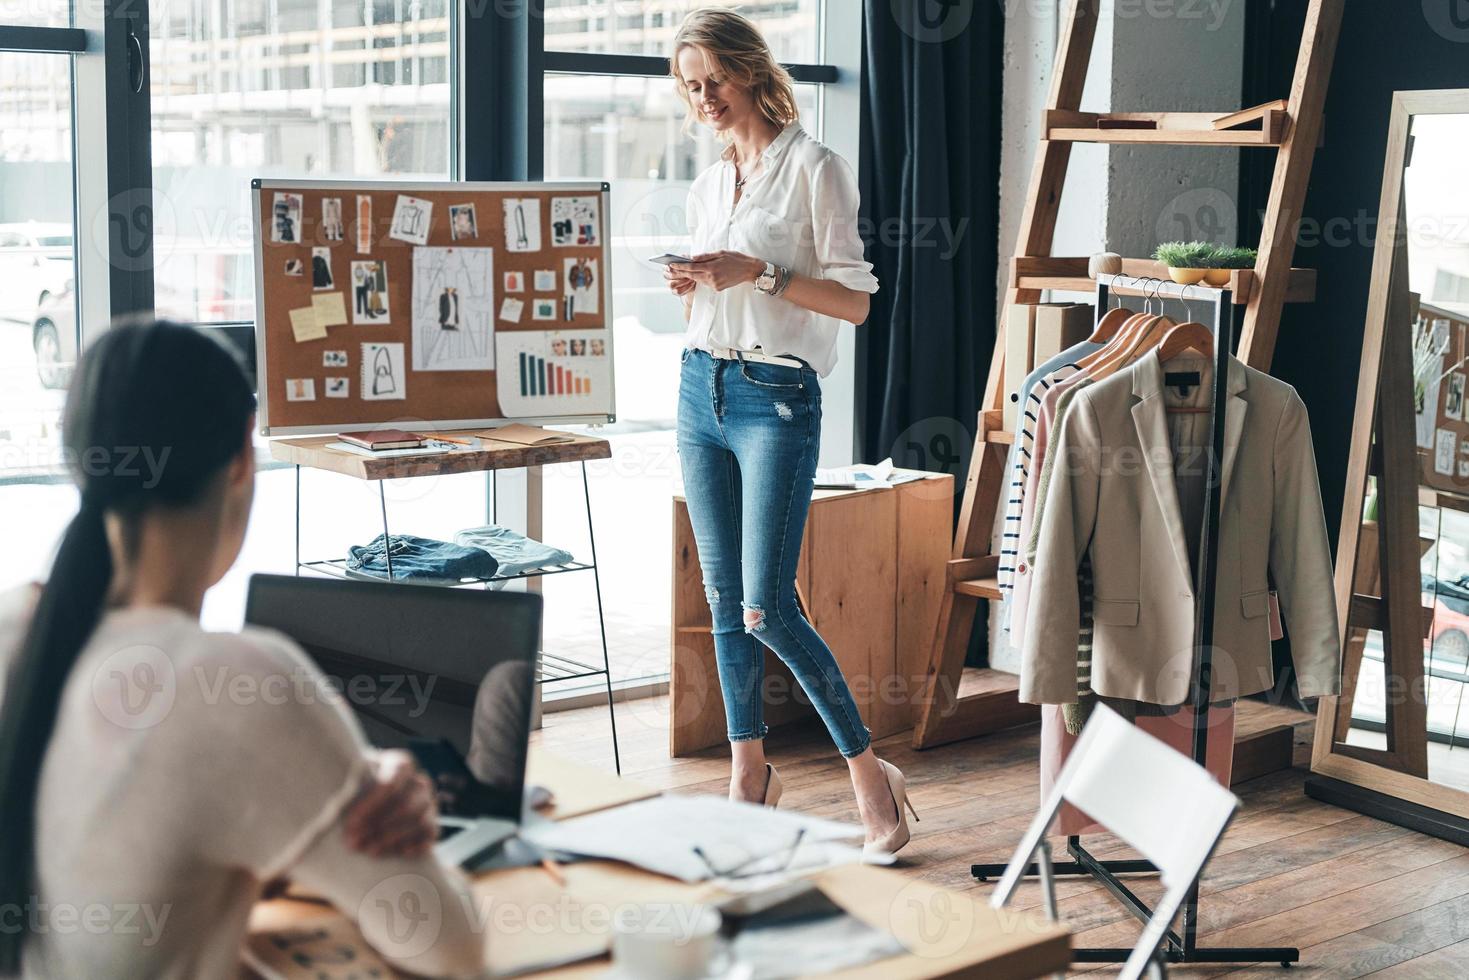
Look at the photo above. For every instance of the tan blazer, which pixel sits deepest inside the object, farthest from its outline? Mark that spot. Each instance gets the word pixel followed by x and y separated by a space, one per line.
pixel 1113 492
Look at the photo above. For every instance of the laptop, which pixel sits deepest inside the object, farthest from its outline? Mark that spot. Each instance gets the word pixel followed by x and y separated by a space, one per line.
pixel 414 663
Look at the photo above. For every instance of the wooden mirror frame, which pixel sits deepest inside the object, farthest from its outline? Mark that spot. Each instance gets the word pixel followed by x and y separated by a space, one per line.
pixel 1377 569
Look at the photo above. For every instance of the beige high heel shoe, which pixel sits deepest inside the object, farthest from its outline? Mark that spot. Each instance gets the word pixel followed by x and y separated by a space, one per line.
pixel 773 786
pixel 881 851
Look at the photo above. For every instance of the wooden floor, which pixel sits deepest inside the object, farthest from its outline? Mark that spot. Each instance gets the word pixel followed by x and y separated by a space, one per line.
pixel 1359 896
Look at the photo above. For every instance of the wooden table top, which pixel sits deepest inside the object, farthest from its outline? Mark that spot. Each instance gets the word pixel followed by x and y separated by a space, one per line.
pixel 947 933
pixel 493 454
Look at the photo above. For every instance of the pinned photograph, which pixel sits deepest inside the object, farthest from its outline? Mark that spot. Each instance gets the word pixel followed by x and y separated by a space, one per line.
pixel 331 219
pixel 462 223
pixel 285 219
pixel 581 286
pixel 1443 452
pixel 383 378
pixel 300 389
pixel 545 280
pixel 333 358
pixel 453 309
pixel 543 309
pixel 1454 401
pixel 364 224
pixel 522 224
pixel 515 282
pixel 579 347
pixel 511 309
pixel 370 292
pixel 598 347
pixel 560 347
pixel 295 267
pixel 338 387
pixel 575 221
pixel 321 268
pixel 411 218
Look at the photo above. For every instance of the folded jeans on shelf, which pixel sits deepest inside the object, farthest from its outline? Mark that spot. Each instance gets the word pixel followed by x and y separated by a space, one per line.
pixel 514 552
pixel 420 560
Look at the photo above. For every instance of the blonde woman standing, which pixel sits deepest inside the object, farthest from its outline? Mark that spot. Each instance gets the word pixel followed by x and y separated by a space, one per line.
pixel 777 265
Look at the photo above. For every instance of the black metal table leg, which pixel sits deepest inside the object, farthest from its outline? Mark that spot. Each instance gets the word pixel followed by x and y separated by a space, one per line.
pixel 382 499
pixel 298 519
pixel 601 622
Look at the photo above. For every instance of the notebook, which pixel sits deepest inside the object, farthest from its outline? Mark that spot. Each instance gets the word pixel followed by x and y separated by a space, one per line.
pixel 527 435
pixel 382 439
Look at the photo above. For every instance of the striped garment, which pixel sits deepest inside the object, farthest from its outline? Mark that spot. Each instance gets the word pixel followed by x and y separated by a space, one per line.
pixel 1019 468
pixel 1075 715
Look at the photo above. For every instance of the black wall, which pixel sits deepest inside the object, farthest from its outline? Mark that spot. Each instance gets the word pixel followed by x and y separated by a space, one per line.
pixel 1386 46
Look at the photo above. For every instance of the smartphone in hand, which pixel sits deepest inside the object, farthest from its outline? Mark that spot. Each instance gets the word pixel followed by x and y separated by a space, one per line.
pixel 670 258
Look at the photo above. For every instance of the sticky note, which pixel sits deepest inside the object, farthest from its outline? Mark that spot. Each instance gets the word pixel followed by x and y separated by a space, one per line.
pixel 331 309
pixel 511 309
pixel 305 325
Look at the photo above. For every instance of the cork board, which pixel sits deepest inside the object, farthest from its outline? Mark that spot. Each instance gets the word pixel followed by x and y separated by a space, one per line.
pixel 1442 409
pixel 381 354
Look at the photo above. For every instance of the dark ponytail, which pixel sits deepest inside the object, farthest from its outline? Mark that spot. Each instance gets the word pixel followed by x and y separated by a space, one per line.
pixel 155 413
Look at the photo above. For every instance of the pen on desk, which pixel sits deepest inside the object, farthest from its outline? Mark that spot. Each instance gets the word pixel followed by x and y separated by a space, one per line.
pixel 554 870
pixel 457 442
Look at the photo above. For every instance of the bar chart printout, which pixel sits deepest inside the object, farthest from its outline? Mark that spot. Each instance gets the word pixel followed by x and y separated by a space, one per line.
pixel 545 372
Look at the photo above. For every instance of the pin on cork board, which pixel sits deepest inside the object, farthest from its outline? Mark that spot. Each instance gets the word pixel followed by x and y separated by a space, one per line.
pixel 431 305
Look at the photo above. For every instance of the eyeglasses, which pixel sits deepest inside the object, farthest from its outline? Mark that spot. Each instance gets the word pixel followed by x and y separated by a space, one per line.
pixel 743 869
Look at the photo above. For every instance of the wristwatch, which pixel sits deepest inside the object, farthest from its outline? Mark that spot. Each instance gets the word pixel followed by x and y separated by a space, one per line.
pixel 765 282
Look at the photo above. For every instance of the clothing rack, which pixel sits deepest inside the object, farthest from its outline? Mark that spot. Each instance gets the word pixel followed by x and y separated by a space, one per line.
pixel 1176 948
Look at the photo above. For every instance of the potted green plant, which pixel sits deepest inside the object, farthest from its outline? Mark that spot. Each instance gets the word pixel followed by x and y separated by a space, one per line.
pixel 1186 261
pixel 1224 260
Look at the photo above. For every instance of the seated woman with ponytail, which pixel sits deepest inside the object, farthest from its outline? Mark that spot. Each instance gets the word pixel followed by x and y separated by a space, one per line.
pixel 155 777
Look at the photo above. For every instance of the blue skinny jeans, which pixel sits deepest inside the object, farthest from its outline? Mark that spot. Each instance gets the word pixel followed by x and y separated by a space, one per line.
pixel 748 436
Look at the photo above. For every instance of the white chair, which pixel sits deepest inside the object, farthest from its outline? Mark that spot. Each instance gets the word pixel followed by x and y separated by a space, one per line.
pixel 1155 799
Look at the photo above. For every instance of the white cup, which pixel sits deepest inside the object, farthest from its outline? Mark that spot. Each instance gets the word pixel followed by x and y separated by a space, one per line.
pixel 666 941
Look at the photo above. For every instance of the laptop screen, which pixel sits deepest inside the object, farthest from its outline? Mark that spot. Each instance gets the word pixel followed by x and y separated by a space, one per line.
pixel 416 661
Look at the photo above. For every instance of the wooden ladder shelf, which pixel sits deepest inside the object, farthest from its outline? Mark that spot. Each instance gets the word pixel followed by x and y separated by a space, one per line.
pixel 958 703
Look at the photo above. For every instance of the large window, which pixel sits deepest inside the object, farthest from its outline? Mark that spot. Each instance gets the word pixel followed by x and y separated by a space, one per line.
pixel 38 324
pixel 792 27
pixel 281 88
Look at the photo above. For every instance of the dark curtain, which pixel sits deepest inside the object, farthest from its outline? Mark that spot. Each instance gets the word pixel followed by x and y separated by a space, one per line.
pixel 930 209
pixel 1320 344
pixel 930 171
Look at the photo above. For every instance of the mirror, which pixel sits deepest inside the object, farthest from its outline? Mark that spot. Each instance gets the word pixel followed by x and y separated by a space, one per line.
pixel 1396 743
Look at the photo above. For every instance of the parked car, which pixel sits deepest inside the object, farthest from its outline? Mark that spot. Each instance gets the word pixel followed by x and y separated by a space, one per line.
pixel 34 255
pixel 54 333
pixel 1448 643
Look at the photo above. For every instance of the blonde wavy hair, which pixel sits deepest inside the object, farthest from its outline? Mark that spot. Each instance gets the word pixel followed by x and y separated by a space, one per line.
pixel 737 51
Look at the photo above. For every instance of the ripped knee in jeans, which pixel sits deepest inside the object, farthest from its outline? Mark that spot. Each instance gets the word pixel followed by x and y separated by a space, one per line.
pixel 754 617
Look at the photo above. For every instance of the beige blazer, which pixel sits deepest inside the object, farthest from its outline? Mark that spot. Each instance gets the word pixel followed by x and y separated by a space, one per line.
pixel 1113 491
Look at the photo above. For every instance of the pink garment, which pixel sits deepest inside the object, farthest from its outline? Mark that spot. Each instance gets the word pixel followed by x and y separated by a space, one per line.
pixel 1176 731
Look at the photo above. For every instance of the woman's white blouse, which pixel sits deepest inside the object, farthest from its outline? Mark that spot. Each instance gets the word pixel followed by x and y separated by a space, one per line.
pixel 800 211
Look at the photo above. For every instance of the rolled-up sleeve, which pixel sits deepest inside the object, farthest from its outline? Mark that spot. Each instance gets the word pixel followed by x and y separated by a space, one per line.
pixel 834 204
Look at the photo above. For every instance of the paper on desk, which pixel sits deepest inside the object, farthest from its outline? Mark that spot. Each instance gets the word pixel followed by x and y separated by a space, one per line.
pixel 661 834
pixel 860 476
pixel 305 325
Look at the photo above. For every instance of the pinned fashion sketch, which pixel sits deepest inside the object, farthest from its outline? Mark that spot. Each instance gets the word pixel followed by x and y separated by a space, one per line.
pixel 338 387
pixel 543 309
pixel 285 223
pixel 462 222
pixel 411 219
pixel 581 287
pixel 333 358
pixel 522 224
pixel 331 219
pixel 321 268
pixel 370 292
pixel 383 377
pixel 515 282
pixel 295 268
pixel 575 221
pixel 545 280
pixel 453 309
pixel 543 372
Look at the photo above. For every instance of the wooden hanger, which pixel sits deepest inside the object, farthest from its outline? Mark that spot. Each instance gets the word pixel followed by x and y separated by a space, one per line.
pixel 1110 324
